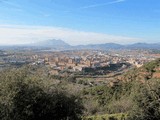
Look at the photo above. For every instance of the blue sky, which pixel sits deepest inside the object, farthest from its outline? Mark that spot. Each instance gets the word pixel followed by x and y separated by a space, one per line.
pixel 80 21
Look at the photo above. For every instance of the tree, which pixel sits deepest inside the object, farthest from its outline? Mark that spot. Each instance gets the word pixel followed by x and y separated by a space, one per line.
pixel 25 98
pixel 147 102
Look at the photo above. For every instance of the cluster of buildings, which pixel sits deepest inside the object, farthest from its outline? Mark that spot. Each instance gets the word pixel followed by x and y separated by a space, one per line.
pixel 77 60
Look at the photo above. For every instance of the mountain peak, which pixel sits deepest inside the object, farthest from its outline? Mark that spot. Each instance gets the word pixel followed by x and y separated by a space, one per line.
pixel 55 43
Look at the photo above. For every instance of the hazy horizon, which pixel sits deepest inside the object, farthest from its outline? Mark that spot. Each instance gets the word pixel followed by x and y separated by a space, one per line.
pixel 45 41
pixel 79 22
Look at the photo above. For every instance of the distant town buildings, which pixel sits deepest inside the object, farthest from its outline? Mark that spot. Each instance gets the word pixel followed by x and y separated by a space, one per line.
pixel 77 60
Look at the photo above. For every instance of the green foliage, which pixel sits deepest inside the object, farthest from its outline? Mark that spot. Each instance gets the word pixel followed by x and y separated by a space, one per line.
pixel 146 102
pixel 143 73
pixel 56 77
pixel 108 99
pixel 151 65
pixel 24 96
pixel 119 116
pixel 71 78
pixel 104 70
pixel 30 93
pixel 140 100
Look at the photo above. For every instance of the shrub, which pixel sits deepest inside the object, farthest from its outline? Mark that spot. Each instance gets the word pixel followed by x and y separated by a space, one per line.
pixel 146 102
pixel 25 98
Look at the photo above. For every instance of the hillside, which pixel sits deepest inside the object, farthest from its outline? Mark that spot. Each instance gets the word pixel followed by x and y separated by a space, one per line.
pixel 126 94
pixel 144 46
pixel 148 71
pixel 119 46
pixel 128 99
pixel 100 46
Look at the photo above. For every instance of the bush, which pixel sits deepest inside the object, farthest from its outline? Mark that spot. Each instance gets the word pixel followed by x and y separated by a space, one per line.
pixel 119 116
pixel 25 98
pixel 146 102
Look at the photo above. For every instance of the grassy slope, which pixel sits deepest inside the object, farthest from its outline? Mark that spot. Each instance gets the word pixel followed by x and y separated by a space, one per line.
pixel 119 116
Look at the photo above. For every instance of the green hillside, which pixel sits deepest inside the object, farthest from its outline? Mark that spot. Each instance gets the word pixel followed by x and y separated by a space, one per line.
pixel 133 96
pixel 133 93
pixel 148 71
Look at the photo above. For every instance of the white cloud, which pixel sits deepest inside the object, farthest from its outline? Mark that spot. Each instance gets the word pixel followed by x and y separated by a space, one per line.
pixel 102 4
pixel 117 1
pixel 10 34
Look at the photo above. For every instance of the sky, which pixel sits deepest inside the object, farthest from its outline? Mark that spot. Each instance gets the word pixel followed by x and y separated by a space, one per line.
pixel 80 21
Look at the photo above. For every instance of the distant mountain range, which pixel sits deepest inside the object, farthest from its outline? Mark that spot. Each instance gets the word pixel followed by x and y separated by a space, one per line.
pixel 144 46
pixel 52 44
pixel 100 46
pixel 61 45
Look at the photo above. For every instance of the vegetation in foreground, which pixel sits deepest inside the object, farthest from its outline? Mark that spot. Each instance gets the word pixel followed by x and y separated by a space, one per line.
pixel 119 116
pixel 29 94
pixel 24 96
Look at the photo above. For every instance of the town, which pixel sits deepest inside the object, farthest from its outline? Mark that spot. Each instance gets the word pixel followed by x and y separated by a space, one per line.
pixel 75 60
